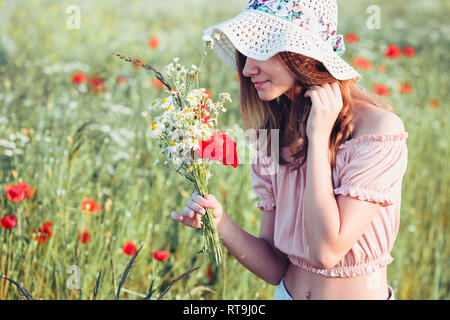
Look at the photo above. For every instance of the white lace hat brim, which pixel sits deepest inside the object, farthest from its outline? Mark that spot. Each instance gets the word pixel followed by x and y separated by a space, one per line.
pixel 260 35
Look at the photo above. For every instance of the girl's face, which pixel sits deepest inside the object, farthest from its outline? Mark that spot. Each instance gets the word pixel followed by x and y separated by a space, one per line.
pixel 270 78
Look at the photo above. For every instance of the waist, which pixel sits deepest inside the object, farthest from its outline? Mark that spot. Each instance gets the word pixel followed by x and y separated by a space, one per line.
pixel 302 284
pixel 347 267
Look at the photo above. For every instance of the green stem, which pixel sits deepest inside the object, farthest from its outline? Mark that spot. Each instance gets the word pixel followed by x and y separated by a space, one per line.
pixel 209 230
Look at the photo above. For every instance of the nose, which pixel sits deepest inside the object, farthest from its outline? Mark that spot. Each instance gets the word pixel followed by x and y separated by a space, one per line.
pixel 251 68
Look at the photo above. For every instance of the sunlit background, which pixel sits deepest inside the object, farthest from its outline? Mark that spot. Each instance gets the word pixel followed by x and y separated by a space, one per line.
pixel 72 129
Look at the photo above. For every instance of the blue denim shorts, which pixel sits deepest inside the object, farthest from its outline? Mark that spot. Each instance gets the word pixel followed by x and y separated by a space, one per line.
pixel 282 294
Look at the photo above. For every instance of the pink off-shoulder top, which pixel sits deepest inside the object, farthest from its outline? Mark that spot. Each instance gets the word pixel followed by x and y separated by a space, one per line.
pixel 370 168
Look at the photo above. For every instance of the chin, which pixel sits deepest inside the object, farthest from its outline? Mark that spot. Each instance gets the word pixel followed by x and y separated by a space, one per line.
pixel 267 97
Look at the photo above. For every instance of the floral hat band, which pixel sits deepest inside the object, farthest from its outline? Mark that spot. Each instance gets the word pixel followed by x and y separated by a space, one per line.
pixel 267 27
pixel 302 16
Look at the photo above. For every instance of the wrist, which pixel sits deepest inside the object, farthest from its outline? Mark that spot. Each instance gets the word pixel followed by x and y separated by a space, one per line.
pixel 223 225
pixel 319 140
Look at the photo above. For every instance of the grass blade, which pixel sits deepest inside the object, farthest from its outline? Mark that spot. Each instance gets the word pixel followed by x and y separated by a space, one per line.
pixel 125 273
pixel 112 266
pixel 22 291
pixel 150 291
pixel 175 281
pixel 97 283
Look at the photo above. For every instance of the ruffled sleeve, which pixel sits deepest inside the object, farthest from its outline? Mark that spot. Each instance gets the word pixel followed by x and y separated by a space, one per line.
pixel 372 167
pixel 262 175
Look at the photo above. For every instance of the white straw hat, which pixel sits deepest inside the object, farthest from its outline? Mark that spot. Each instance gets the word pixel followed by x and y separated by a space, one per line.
pixel 267 27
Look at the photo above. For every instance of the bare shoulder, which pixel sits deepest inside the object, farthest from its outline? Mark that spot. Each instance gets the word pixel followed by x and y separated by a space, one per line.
pixel 373 120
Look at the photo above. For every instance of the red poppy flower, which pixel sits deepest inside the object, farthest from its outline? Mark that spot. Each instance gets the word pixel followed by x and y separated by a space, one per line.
pixel 209 272
pixel 78 78
pixel 154 42
pixel 19 191
pixel 44 232
pixel 41 239
pixel 161 255
pixel 46 228
pixel 129 248
pixel 120 79
pixel 9 221
pixel 204 112
pixel 409 51
pixel 381 89
pixel 90 205
pixel 219 147
pixel 157 84
pixel 393 51
pixel 362 63
pixel 208 93
pixel 351 38
pixel 97 84
pixel 405 88
pixel 434 103
pixel 84 237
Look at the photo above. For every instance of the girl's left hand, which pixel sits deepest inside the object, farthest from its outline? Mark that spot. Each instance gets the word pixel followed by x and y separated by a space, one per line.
pixel 326 106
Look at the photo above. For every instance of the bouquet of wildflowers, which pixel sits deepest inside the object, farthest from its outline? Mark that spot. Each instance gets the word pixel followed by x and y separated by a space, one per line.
pixel 186 136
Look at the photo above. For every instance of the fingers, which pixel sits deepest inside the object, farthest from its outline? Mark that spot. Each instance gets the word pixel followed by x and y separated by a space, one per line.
pixel 337 93
pixel 194 222
pixel 192 213
pixel 328 95
pixel 333 93
pixel 324 93
pixel 318 96
pixel 314 95
pixel 208 201
pixel 194 206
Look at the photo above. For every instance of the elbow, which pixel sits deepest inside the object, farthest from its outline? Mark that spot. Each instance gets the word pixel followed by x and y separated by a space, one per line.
pixel 324 259
pixel 274 281
pixel 274 278
pixel 275 268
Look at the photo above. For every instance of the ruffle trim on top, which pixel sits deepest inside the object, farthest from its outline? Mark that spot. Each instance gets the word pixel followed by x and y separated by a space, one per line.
pixel 266 205
pixel 344 271
pixel 383 199
pixel 374 138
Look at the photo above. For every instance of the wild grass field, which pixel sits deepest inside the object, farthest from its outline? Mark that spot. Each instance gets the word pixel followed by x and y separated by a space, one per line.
pixel 81 144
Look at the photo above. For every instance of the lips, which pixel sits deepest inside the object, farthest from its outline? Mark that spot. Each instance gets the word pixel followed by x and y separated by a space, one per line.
pixel 259 84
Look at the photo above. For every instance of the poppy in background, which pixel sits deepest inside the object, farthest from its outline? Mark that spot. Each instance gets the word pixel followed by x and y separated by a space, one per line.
pixel 8 222
pixel 393 51
pixel 129 248
pixel 154 42
pixel 351 38
pixel 19 191
pixel 79 78
pixel 161 255
pixel 381 89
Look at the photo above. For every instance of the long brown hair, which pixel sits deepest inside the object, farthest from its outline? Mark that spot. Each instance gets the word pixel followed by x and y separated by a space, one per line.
pixel 290 117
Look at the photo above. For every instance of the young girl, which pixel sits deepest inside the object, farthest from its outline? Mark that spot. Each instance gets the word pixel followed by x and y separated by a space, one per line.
pixel 330 208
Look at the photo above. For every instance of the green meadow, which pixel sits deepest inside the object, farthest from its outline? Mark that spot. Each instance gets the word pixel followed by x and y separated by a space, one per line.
pixel 71 142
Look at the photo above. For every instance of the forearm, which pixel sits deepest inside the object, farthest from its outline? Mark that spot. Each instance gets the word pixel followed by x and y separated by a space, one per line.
pixel 254 253
pixel 322 220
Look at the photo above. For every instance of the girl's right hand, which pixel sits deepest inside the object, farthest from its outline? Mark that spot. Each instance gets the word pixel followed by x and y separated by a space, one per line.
pixel 195 208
